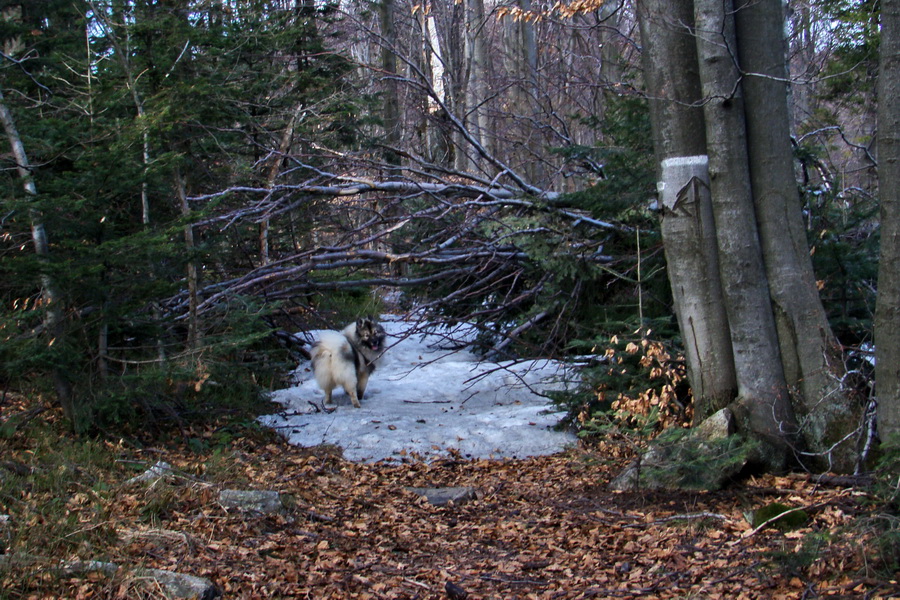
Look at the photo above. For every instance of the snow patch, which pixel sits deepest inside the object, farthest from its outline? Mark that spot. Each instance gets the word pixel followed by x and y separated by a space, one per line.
pixel 429 398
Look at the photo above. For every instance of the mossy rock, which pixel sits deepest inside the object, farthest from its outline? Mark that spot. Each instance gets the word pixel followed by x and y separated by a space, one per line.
pixel 789 520
pixel 688 460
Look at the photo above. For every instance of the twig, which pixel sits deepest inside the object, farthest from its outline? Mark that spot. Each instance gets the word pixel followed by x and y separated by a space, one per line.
pixel 700 515
pixel 860 480
pixel 513 581
pixel 733 574
pixel 429 402
pixel 418 583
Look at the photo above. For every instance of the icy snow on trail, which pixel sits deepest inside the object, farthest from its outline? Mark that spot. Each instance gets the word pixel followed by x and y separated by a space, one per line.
pixel 426 399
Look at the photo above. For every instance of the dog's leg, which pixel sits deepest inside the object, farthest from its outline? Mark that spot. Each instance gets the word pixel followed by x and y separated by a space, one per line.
pixel 362 380
pixel 354 397
pixel 327 396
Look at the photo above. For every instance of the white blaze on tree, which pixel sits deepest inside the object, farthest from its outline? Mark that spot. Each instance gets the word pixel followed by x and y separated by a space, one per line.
pixel 755 235
pixel 689 238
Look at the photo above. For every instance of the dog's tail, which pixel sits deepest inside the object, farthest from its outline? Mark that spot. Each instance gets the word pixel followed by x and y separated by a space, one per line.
pixel 332 356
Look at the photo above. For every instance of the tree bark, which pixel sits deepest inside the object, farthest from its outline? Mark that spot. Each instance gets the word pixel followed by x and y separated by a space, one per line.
pixel 526 92
pixel 689 237
pixel 763 405
pixel 272 171
pixel 477 60
pixel 391 111
pixel 52 297
pixel 426 58
pixel 451 32
pixel 811 358
pixel 887 310
pixel 193 273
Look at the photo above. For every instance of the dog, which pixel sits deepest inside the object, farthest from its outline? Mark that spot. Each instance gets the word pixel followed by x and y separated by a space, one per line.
pixel 347 358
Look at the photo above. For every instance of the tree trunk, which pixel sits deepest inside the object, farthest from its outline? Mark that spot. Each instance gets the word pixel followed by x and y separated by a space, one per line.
pixel 763 406
pixel 124 56
pixel 527 92
pixel 52 298
pixel 425 57
pixel 391 111
pixel 688 231
pixel 477 59
pixel 810 355
pixel 273 169
pixel 887 311
pixel 193 274
pixel 804 50
pixel 452 33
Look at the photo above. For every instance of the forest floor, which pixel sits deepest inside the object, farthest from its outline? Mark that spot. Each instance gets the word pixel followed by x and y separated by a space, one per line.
pixel 544 527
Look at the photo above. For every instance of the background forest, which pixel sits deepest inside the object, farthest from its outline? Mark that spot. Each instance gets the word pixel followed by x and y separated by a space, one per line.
pixel 187 181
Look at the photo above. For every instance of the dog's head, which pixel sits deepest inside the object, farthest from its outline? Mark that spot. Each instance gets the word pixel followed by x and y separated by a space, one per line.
pixel 371 334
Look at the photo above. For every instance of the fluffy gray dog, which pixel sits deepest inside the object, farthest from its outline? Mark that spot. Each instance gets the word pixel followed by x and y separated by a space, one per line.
pixel 348 357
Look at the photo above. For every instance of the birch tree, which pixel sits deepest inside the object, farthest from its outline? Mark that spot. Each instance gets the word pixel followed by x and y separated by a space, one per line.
pixel 51 294
pixel 52 297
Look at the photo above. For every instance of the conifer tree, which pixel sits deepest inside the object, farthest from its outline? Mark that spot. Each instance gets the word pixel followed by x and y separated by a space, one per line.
pixel 131 111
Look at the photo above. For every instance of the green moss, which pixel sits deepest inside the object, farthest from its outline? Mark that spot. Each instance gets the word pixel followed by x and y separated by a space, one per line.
pixel 680 459
pixel 789 519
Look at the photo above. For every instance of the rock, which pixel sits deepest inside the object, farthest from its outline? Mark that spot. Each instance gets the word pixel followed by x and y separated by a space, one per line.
pixel 779 516
pixel 181 585
pixel 177 585
pixel 455 592
pixel 717 426
pixel 5 531
pixel 158 471
pixel 85 567
pixel 261 501
pixel 77 568
pixel 442 496
pixel 706 458
pixel 629 480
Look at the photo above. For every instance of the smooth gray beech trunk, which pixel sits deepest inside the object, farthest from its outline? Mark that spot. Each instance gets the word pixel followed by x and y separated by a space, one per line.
pixel 763 406
pixel 887 311
pixel 812 360
pixel 673 86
